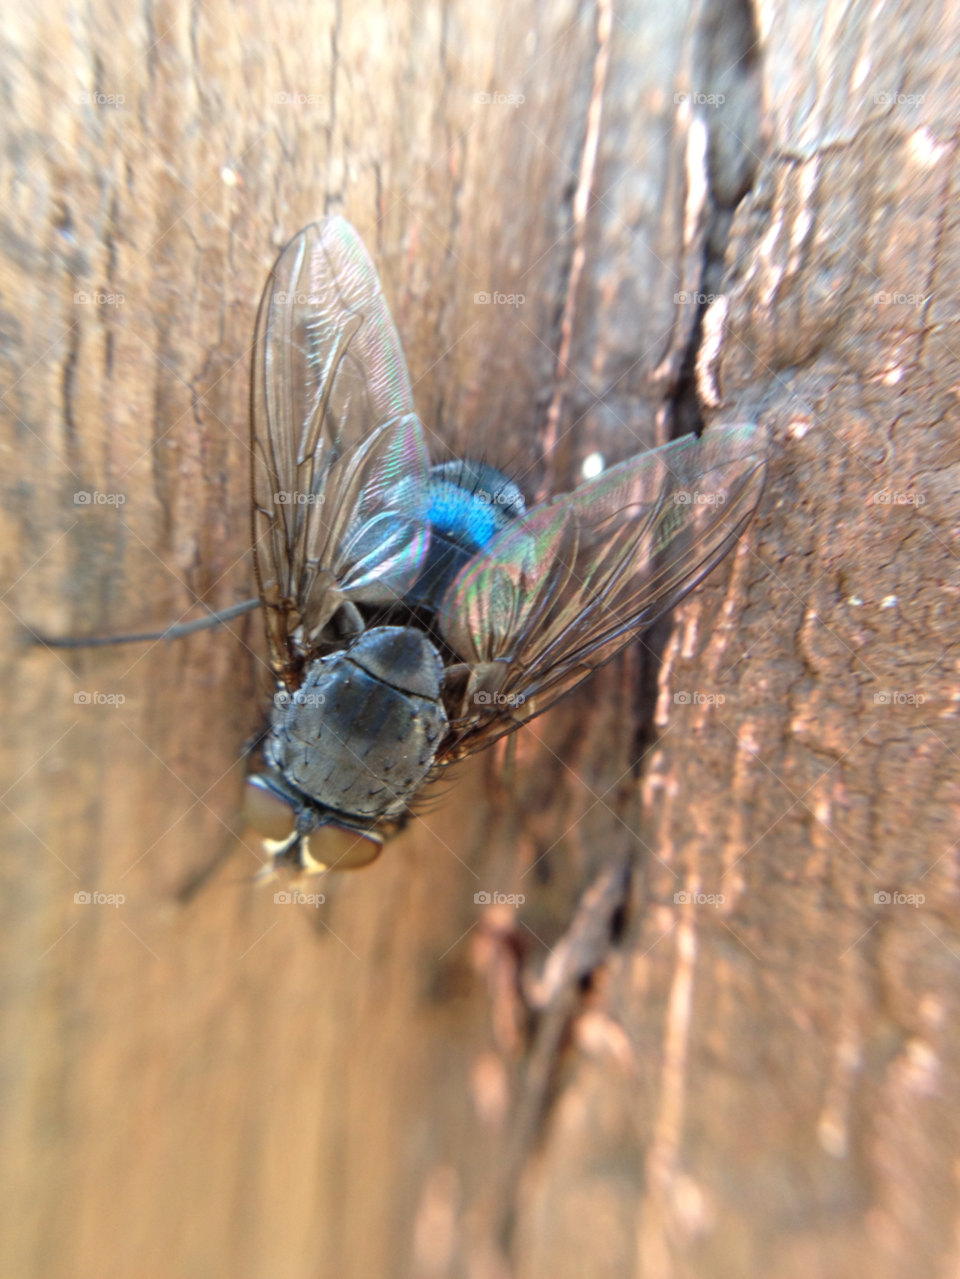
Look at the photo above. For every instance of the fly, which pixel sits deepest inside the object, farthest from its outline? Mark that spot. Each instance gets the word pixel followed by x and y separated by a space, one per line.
pixel 416 613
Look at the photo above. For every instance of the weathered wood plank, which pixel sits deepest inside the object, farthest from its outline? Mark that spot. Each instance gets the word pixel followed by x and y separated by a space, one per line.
pixel 202 1081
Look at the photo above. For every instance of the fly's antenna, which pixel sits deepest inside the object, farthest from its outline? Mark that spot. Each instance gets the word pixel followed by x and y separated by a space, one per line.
pixel 172 632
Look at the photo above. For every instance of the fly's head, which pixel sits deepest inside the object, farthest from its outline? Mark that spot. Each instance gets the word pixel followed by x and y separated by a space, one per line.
pixel 302 836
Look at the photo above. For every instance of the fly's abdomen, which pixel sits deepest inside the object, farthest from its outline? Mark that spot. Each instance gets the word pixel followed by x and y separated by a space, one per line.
pixel 466 504
pixel 362 731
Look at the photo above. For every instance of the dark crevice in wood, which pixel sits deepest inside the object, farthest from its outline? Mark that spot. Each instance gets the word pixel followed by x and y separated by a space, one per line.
pixel 725 58
pixel 67 386
pixel 725 64
pixel 724 54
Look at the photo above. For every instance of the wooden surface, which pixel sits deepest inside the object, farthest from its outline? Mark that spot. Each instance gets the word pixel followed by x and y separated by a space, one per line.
pixel 404 1083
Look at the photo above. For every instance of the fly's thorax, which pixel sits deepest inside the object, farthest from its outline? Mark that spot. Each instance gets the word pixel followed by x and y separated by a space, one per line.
pixel 402 657
pixel 362 731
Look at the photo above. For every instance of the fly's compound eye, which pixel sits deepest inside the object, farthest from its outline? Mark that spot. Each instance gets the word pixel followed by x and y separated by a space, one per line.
pixel 339 848
pixel 268 813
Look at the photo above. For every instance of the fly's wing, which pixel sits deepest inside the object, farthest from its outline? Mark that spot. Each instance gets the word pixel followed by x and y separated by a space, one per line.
pixel 333 435
pixel 556 595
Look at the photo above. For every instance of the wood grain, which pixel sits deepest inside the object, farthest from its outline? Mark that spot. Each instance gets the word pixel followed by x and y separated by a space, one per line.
pixel 204 1081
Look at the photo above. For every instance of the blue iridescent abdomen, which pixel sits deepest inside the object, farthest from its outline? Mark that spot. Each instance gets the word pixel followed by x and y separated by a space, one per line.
pixel 466 504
